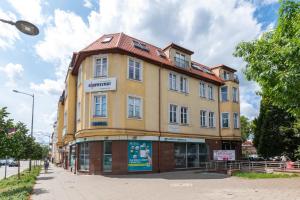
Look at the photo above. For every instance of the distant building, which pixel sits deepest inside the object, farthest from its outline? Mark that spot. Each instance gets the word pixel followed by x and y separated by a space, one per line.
pixel 129 106
pixel 248 149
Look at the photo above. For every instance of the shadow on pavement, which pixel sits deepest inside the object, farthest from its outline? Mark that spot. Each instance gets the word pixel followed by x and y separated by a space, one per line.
pixel 174 175
pixel 39 191
pixel 44 178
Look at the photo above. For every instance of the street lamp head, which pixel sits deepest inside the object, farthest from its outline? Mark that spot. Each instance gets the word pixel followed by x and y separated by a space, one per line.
pixel 16 91
pixel 27 27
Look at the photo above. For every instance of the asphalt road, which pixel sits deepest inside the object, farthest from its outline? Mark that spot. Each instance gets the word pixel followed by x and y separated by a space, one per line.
pixel 13 170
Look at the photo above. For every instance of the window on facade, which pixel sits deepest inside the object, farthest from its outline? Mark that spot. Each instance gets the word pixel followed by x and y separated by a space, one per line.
pixel 65 119
pixel 100 67
pixel 79 77
pixel 202 90
pixel 107 156
pixel 210 92
pixel 100 106
pixel 224 93
pixel 183 115
pixel 226 75
pixel 172 81
pixel 227 145
pixel 190 155
pixel 84 156
pixel 225 120
pixel 235 120
pixel 134 107
pixel 203 118
pixel 234 94
pixel 183 84
pixel 134 70
pixel 180 60
pixel 140 45
pixel 78 111
pixel 211 119
pixel 173 114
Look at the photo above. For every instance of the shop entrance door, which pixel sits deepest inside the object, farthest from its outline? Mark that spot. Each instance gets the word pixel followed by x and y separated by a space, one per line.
pixel 107 156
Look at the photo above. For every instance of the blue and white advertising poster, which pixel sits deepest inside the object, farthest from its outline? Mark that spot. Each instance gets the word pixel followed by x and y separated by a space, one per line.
pixel 139 156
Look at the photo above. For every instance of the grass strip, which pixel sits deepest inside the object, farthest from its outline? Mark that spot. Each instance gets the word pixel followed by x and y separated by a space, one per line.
pixel 256 175
pixel 13 188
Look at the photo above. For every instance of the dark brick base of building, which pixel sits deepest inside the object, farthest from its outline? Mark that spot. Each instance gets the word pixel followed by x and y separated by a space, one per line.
pixel 162 156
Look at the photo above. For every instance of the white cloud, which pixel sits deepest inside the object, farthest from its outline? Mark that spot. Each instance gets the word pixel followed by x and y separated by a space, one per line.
pixel 88 4
pixel 30 10
pixel 211 29
pixel 48 87
pixel 12 72
pixel 8 33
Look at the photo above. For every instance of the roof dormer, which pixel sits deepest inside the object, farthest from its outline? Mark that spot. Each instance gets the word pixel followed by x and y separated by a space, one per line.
pixel 180 56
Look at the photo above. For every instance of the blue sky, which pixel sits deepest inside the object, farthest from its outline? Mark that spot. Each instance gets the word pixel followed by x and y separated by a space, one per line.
pixel 38 64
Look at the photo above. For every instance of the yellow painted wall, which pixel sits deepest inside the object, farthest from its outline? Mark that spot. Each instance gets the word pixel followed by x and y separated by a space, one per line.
pixel 60 122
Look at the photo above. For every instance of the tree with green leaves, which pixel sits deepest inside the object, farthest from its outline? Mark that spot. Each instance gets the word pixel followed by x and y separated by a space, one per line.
pixel 20 144
pixel 6 125
pixel 246 128
pixel 274 131
pixel 273 60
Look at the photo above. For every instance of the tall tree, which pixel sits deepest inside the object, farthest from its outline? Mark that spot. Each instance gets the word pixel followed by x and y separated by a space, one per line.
pixel 246 127
pixel 20 144
pixel 274 131
pixel 6 126
pixel 273 60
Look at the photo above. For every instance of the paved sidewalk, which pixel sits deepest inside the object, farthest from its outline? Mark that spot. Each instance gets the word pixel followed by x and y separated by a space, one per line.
pixel 61 184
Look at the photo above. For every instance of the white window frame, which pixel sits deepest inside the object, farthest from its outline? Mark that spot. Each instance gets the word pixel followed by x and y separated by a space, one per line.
pixel 210 95
pixel 141 107
pixel 205 119
pixel 228 114
pixel 172 83
pixel 176 114
pixel 213 119
pixel 141 69
pixel 236 123
pixel 202 90
pixel 221 96
pixel 185 84
pixel 94 106
pixel 187 115
pixel 235 96
pixel 94 66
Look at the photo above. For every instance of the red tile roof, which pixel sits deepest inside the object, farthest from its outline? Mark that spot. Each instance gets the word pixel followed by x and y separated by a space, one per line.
pixel 121 42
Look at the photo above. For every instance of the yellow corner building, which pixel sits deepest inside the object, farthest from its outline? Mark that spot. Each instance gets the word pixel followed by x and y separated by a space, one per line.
pixel 131 107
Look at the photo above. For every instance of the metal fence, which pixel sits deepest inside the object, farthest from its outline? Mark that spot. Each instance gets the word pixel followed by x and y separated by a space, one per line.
pixel 258 166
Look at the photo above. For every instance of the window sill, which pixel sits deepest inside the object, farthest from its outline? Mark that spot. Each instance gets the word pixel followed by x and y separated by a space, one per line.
pixel 173 123
pixel 99 77
pixel 99 116
pixel 136 80
pixel 225 127
pixel 135 118
pixel 184 124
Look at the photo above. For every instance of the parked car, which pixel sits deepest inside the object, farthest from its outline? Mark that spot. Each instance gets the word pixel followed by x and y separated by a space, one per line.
pixel 13 163
pixel 2 162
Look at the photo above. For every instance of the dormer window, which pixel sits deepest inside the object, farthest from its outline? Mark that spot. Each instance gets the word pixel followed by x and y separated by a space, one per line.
pixel 140 45
pixel 160 53
pixel 180 60
pixel 226 75
pixel 106 39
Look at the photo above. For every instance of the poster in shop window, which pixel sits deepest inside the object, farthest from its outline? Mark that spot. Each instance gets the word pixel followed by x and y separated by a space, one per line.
pixel 139 156
pixel 224 154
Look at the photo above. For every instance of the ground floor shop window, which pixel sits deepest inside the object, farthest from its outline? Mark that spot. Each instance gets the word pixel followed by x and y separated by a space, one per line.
pixel 84 156
pixel 107 156
pixel 139 156
pixel 190 155
pixel 228 145
pixel 72 157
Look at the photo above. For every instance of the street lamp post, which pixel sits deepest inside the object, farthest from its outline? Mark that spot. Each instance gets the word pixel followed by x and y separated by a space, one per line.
pixel 23 26
pixel 32 115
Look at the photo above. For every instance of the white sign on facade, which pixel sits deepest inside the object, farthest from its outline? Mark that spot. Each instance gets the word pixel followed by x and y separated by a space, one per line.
pixel 173 139
pixel 173 128
pixel 224 154
pixel 98 85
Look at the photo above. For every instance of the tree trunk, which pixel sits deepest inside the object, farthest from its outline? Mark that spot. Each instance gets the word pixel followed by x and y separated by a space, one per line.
pixel 18 169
